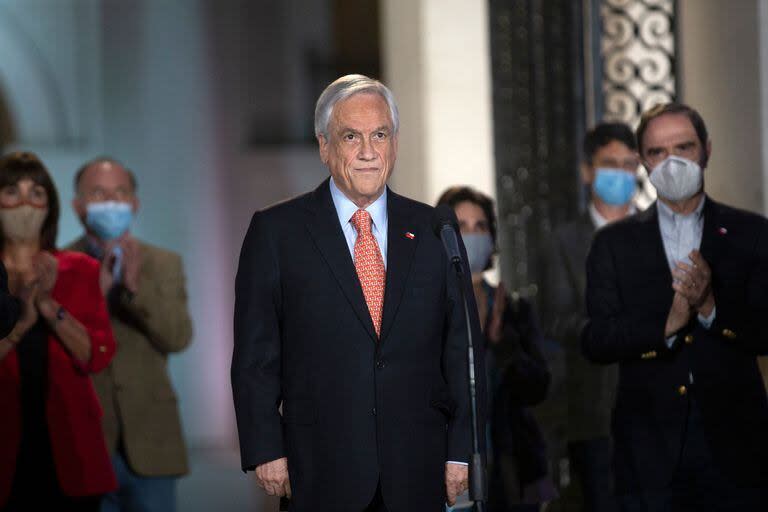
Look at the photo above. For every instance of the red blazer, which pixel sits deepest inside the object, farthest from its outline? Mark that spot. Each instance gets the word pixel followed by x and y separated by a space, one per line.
pixel 72 408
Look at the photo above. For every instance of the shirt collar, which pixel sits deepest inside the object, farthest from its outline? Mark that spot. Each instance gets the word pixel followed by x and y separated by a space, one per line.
pixel 345 208
pixel 599 221
pixel 667 214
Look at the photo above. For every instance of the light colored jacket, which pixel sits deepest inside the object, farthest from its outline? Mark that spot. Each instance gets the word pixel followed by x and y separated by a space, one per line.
pixel 140 407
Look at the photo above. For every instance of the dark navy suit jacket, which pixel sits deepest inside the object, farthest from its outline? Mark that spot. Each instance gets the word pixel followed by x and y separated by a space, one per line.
pixel 629 295
pixel 356 411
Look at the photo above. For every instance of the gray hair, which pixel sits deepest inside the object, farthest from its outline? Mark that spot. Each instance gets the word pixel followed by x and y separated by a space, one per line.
pixel 344 87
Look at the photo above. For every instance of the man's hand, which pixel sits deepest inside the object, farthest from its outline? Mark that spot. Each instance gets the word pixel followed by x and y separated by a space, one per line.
pixel 679 314
pixel 131 263
pixel 106 278
pixel 273 477
pixel 456 481
pixel 694 282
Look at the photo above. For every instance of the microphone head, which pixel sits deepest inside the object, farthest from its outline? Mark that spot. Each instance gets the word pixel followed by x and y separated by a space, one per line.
pixel 444 216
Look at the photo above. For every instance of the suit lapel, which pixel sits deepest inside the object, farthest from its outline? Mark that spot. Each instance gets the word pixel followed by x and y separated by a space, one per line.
pixel 323 226
pixel 649 235
pixel 711 235
pixel 400 251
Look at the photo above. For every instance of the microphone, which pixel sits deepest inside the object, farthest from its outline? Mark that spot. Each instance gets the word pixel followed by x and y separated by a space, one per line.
pixel 445 227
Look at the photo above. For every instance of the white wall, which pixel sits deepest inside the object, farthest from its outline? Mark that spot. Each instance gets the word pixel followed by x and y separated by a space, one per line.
pixel 720 47
pixel 437 62
pixel 762 17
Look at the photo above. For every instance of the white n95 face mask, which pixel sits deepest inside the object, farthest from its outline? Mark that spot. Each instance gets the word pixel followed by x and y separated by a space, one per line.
pixel 676 178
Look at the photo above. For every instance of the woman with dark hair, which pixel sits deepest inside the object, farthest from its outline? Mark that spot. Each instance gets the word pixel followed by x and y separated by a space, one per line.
pixel 517 372
pixel 52 450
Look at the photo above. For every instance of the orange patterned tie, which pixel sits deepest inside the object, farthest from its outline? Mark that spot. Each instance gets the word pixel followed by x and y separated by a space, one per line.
pixel 369 265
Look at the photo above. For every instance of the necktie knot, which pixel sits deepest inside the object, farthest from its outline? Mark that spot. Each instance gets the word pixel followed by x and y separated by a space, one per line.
pixel 362 222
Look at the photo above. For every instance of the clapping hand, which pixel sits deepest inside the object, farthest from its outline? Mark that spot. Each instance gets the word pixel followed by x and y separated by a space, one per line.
pixel 694 282
pixel 47 269
pixel 25 287
pixel 131 263
pixel 496 324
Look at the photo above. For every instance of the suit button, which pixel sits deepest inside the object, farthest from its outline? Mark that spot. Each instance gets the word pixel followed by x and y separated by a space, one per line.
pixel 689 339
pixel 682 390
pixel 373 411
pixel 380 364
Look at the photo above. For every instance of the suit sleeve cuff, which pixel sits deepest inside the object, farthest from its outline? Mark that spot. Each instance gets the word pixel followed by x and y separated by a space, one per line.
pixel 706 322
pixel 671 341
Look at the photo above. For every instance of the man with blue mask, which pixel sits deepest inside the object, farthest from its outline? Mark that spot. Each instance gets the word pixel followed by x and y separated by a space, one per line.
pixel 678 296
pixel 146 292
pixel 609 170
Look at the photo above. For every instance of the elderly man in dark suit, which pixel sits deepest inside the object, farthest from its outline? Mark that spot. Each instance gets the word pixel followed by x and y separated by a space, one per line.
pixel 609 170
pixel 678 296
pixel 348 314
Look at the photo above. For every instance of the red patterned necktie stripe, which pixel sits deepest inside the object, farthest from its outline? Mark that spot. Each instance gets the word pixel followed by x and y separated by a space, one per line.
pixel 369 265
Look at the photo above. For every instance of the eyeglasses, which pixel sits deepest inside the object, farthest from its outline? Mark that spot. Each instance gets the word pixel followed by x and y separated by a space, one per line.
pixel 12 196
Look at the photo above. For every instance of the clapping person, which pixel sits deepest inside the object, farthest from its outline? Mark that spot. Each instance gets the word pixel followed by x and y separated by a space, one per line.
pixel 52 451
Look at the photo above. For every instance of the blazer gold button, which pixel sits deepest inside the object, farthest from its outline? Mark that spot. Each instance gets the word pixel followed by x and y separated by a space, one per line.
pixel 729 334
pixel 682 390
pixel 102 348
pixel 688 339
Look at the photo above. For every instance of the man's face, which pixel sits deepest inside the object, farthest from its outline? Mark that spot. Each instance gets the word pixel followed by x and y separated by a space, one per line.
pixel 672 134
pixel 361 148
pixel 614 155
pixel 104 181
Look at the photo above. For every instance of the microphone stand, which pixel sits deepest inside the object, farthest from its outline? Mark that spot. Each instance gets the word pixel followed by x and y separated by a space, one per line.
pixel 477 476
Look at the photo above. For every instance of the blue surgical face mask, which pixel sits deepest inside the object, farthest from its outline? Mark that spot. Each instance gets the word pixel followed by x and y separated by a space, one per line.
pixel 109 219
pixel 614 186
pixel 479 249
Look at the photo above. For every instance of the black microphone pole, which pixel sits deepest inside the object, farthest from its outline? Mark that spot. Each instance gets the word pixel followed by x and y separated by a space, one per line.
pixel 477 477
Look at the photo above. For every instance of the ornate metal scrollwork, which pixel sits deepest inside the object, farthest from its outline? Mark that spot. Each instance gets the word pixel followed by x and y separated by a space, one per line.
pixel 638 54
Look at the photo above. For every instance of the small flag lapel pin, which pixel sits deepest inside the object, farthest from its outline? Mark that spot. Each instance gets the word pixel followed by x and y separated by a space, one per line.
pixel 409 235
pixel 722 231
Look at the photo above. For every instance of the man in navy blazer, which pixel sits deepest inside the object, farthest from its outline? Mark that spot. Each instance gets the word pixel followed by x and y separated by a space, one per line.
pixel 375 408
pixel 678 296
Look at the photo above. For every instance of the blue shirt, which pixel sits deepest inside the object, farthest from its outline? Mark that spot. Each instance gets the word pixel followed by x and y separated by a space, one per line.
pixel 680 235
pixel 345 209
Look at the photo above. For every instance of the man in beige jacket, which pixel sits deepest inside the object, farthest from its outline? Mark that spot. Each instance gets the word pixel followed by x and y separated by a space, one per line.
pixel 145 289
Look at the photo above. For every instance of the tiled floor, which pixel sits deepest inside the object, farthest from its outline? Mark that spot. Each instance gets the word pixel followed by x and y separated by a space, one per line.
pixel 216 484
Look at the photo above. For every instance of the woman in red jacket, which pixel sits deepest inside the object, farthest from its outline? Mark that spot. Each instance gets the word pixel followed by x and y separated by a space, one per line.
pixel 52 449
